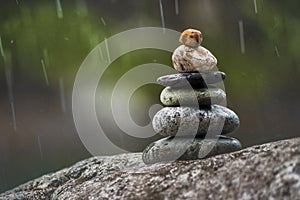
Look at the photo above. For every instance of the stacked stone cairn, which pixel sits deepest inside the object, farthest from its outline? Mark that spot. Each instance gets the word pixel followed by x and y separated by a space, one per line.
pixel 194 121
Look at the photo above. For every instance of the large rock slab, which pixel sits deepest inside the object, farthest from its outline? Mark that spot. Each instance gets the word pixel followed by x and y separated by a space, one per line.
pixel 268 171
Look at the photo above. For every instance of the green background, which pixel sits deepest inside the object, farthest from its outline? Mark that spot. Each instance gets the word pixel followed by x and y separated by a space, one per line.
pixel 261 83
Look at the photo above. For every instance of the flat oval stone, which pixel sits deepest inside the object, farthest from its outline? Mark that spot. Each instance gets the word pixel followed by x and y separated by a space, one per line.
pixel 189 59
pixel 196 80
pixel 198 97
pixel 190 121
pixel 182 148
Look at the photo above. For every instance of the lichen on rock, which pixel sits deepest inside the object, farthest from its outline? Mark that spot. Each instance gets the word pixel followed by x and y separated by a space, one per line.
pixel 268 171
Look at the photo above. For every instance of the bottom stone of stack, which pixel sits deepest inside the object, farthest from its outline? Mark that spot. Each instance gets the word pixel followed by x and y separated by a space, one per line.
pixel 185 148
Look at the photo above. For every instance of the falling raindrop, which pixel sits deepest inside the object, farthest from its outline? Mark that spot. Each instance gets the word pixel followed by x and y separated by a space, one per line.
pixel 59 10
pixel 162 15
pixel 1 48
pixel 40 147
pixel 100 52
pixel 9 81
pixel 176 7
pixel 45 72
pixel 277 52
pixel 46 57
pixel 81 8
pixel 107 50
pixel 103 22
pixel 255 6
pixel 242 38
pixel 12 106
pixel 62 94
pixel 17 2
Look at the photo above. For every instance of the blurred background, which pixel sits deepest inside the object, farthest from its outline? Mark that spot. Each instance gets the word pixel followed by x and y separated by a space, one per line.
pixel 43 43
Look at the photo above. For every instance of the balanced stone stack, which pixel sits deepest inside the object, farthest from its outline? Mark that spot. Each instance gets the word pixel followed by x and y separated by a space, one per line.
pixel 194 121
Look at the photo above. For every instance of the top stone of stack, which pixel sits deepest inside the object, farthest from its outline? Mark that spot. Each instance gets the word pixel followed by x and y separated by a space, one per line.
pixel 191 56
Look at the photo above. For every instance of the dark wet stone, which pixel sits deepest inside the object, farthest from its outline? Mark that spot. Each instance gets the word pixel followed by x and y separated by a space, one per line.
pixel 190 121
pixel 196 80
pixel 182 148
pixel 196 97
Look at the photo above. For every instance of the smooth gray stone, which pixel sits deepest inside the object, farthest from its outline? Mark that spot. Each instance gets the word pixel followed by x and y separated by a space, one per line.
pixel 195 80
pixel 198 97
pixel 217 119
pixel 182 148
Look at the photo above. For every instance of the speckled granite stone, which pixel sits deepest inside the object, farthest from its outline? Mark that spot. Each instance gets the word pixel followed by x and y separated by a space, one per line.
pixel 182 148
pixel 267 171
pixel 198 97
pixel 188 59
pixel 195 80
pixel 168 120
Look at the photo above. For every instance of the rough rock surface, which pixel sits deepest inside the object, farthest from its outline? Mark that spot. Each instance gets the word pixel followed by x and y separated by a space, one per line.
pixel 268 171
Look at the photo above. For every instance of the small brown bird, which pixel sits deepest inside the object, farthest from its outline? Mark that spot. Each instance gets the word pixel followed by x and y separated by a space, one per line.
pixel 191 56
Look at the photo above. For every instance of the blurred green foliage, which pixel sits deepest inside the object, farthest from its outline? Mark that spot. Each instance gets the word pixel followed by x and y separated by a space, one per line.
pixel 36 32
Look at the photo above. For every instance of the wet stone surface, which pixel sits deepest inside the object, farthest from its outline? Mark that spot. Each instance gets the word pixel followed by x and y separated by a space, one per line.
pixel 189 59
pixel 184 148
pixel 196 97
pixel 195 80
pixel 217 119
pixel 267 171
